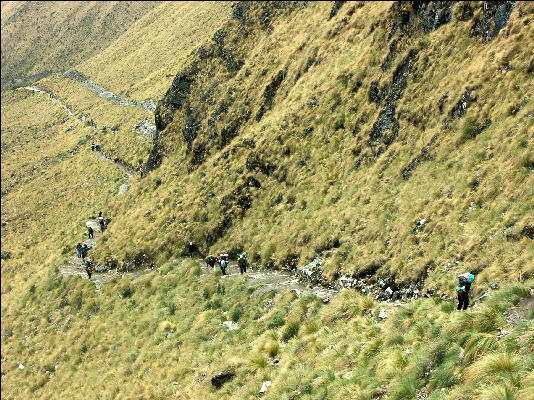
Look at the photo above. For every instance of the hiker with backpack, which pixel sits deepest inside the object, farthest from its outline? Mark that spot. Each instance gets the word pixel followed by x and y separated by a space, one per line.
pixel 91 231
pixel 79 250
pixel 84 251
pixel 101 222
pixel 242 262
pixel 223 261
pixel 463 288
pixel 210 262
pixel 93 145
pixel 89 268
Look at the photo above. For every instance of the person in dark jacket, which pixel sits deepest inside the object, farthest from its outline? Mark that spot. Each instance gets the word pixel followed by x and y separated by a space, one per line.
pixel 79 250
pixel 90 230
pixel 210 261
pixel 192 249
pixel 84 251
pixel 464 286
pixel 242 262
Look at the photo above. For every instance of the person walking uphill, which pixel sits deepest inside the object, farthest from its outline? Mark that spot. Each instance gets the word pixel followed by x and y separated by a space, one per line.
pixel 91 231
pixel 79 250
pixel 464 286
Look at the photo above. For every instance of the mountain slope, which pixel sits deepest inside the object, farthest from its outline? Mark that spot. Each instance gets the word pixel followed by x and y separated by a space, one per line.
pixel 389 142
pixel 387 139
pixel 41 37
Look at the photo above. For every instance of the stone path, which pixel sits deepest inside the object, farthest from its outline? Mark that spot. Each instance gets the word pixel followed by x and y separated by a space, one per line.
pixel 267 281
pixel 148 105
pixel 75 266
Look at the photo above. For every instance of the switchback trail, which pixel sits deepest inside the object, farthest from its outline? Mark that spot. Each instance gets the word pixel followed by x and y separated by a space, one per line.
pixel 75 266
pixel 127 170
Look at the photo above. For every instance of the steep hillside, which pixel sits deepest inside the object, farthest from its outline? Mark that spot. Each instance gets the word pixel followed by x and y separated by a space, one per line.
pixel 41 37
pixel 392 140
pixel 143 61
pixel 370 150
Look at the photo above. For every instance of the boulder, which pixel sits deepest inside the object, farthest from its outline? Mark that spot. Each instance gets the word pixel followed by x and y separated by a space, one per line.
pixel 264 387
pixel 221 378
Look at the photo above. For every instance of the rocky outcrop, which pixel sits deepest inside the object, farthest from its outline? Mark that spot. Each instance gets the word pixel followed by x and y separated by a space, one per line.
pixel 270 92
pixel 335 8
pixel 494 17
pixel 386 126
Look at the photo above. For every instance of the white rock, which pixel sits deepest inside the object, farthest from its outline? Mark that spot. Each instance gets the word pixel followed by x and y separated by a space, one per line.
pixel 383 314
pixel 264 387
pixel 21 366
pixel 231 325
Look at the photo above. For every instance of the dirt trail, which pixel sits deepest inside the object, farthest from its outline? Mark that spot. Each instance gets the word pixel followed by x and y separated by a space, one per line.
pixel 127 170
pixel 50 96
pixel 75 266
pixel 266 281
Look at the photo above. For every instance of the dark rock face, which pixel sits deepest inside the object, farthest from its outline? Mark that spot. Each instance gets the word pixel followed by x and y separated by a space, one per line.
pixel 462 105
pixel 156 154
pixel 179 90
pixel 424 155
pixel 386 126
pixel 433 14
pixel 221 378
pixel 527 231
pixel 270 92
pixel 191 127
pixel 335 8
pixel 495 17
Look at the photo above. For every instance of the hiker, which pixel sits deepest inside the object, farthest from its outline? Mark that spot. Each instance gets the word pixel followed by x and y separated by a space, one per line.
pixel 223 264
pixel 79 250
pixel 464 286
pixel 93 145
pixel 210 261
pixel 91 231
pixel 101 221
pixel 223 261
pixel 106 222
pixel 142 170
pixel 192 249
pixel 97 147
pixel 84 251
pixel 89 268
pixel 242 262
